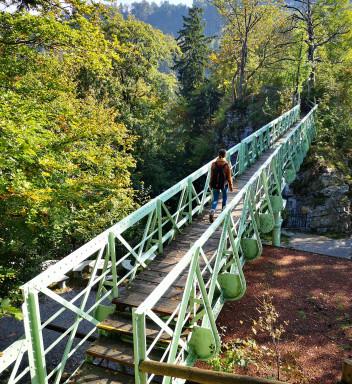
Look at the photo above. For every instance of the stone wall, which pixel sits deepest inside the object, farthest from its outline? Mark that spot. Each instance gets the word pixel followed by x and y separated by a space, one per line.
pixel 325 197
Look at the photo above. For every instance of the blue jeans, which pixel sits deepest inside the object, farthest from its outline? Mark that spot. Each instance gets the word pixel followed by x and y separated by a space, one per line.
pixel 216 193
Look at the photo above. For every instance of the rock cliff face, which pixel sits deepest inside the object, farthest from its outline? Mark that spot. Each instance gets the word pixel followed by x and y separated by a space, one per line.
pixel 325 198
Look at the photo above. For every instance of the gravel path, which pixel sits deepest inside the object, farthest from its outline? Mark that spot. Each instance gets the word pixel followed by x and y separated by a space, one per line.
pixel 320 244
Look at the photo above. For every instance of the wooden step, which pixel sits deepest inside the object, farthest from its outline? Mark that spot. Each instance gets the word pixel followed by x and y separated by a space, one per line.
pixel 92 374
pixel 147 281
pixel 140 289
pixel 156 277
pixel 116 351
pixel 164 306
pixel 112 350
pixel 119 324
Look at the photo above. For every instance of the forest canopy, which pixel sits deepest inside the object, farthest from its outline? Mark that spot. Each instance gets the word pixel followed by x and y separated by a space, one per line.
pixel 75 85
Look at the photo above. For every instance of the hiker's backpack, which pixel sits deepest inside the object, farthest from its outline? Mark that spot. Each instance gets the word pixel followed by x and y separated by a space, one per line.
pixel 218 179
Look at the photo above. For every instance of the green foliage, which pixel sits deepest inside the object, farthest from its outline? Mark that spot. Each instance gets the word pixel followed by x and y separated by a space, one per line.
pixel 138 89
pixel 251 45
pixel 6 309
pixel 333 91
pixel 262 352
pixel 6 306
pixel 319 23
pixel 255 65
pixel 77 95
pixel 237 354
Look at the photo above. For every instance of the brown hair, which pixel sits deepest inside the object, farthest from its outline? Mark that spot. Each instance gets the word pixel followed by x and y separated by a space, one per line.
pixel 222 152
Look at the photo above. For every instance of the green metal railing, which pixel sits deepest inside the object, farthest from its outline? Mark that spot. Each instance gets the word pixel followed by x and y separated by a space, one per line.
pixel 240 241
pixel 137 239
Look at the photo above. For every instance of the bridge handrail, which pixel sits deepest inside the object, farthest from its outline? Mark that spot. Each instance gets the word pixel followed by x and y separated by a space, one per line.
pixel 282 157
pixel 102 249
pixel 201 376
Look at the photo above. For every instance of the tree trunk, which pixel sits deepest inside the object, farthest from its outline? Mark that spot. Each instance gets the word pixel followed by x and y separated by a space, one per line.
pixel 295 98
pixel 242 69
pixel 311 51
pixel 312 64
pixel 233 87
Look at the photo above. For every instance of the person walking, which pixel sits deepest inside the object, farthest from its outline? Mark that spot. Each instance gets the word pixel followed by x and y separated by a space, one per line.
pixel 220 180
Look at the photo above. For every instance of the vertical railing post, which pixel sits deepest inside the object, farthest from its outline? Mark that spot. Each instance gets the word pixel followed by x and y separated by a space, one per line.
pixel 205 190
pixel 34 337
pixel 276 239
pixel 253 150
pixel 160 226
pixel 241 162
pixel 313 123
pixel 139 346
pixel 182 311
pixel 190 195
pixel 261 143
pixel 277 167
pixel 218 261
pixel 228 159
pixel 267 138
pixel 275 135
pixel 112 254
pixel 298 112
pixel 208 309
pixel 252 209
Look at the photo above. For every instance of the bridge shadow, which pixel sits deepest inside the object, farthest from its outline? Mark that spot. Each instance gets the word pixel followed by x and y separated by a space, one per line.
pixel 314 294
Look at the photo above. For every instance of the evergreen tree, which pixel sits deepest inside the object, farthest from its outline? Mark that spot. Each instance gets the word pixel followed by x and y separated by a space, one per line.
pixel 192 62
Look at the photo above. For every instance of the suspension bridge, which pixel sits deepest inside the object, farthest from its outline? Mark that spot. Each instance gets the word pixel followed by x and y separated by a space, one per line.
pixel 152 285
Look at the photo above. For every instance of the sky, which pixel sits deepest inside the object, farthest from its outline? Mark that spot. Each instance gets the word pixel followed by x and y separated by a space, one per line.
pixel 127 2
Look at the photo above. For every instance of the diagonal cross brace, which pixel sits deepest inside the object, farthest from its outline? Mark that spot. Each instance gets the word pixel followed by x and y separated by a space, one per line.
pixel 69 306
pixel 131 250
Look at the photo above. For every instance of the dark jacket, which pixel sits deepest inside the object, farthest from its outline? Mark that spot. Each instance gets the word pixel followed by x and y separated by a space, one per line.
pixel 227 169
